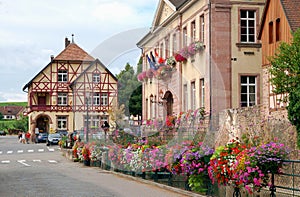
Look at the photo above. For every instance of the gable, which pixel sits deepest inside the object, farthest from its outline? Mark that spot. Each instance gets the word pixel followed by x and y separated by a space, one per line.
pixel 74 52
pixel 164 10
pixel 97 64
pixel 290 9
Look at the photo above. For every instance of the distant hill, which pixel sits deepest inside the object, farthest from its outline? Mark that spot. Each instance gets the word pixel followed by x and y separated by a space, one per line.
pixel 24 104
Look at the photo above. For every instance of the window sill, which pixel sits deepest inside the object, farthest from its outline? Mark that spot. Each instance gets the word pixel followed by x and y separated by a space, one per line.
pixel 248 45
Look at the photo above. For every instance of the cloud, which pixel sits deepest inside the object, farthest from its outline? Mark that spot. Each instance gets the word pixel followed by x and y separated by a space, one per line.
pixel 13 97
pixel 33 30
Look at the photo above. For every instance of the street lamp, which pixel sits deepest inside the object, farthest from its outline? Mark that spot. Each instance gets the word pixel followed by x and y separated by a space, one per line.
pixel 160 101
pixel 87 117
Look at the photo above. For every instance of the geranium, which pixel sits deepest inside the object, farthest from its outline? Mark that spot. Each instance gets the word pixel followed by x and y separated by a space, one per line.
pixel 222 162
pixel 255 164
pixel 179 58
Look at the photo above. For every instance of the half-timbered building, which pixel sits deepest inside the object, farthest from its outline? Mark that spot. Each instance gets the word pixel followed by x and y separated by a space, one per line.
pixel 279 20
pixel 74 91
pixel 204 54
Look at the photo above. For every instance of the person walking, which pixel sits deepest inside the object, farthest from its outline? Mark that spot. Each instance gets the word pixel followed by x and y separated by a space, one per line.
pixel 105 128
pixel 27 136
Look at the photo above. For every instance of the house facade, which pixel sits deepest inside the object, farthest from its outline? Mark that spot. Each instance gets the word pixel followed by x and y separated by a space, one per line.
pixel 73 92
pixel 280 18
pixel 11 112
pixel 210 53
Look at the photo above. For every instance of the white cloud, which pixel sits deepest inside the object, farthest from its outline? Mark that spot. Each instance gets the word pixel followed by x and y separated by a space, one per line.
pixel 33 30
pixel 13 97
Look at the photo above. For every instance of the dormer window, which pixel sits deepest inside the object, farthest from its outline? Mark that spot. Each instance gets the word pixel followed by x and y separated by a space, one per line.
pixel 62 76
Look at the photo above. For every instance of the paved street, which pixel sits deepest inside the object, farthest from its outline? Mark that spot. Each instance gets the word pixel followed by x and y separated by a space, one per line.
pixel 35 170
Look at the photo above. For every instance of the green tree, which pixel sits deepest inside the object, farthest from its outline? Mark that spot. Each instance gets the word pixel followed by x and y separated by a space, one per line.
pixel 22 123
pixel 1 116
pixel 129 89
pixel 285 72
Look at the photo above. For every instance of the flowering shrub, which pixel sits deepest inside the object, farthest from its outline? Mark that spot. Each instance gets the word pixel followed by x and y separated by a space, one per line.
pixel 86 152
pixel 254 165
pixel 95 153
pixel 222 162
pixel 196 159
pixel 77 147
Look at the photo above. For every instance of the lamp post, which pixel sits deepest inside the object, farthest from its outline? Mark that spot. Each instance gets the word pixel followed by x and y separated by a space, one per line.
pixel 87 118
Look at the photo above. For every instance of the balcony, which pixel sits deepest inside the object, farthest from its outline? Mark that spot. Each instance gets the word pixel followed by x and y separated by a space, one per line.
pixel 51 108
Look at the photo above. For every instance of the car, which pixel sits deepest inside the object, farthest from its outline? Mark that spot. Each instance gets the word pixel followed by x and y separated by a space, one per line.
pixel 53 138
pixel 98 135
pixel 63 132
pixel 42 137
pixel 2 133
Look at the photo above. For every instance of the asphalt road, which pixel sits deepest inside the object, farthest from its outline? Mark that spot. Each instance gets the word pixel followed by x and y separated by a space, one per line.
pixel 35 170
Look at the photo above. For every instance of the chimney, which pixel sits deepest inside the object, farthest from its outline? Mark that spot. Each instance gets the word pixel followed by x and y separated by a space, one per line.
pixel 52 57
pixel 67 42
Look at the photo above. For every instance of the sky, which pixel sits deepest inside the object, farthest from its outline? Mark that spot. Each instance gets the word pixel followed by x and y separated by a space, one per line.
pixel 33 30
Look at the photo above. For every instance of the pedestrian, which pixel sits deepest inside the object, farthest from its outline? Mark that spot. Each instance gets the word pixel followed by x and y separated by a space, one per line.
pixel 105 128
pixel 23 137
pixel 20 136
pixel 27 136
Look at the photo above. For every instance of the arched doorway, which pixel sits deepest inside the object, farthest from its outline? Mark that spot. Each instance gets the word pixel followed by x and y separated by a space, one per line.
pixel 169 102
pixel 42 123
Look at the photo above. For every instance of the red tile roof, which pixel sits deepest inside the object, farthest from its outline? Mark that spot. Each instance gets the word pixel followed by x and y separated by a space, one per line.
pixel 10 110
pixel 292 12
pixel 74 52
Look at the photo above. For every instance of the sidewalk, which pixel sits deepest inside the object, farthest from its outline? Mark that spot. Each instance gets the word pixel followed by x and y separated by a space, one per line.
pixel 147 182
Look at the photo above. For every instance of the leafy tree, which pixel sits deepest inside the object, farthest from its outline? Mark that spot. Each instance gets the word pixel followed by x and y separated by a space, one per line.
pixel 1 116
pixel 129 89
pixel 22 124
pixel 285 72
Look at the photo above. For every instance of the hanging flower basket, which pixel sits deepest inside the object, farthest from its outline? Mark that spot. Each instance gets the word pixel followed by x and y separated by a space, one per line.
pixel 171 61
pixel 179 58
pixel 142 76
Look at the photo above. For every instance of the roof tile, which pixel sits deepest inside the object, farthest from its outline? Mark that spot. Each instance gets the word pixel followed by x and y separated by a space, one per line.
pixel 74 52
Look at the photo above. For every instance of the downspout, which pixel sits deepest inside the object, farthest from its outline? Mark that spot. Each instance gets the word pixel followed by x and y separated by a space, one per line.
pixel 210 65
pixel 143 88
pixel 180 65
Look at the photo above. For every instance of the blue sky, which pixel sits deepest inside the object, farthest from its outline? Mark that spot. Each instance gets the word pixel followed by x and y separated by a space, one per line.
pixel 31 31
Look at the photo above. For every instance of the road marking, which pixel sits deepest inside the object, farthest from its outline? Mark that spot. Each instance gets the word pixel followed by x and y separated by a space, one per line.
pixel 37 160
pixel 9 152
pixel 51 149
pixel 30 151
pixel 41 150
pixel 0 152
pixel 23 162
pixel 52 161
pixel 6 161
pixel 20 151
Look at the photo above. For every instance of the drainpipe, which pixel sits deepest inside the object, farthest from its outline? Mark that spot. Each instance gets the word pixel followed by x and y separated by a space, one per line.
pixel 210 69
pixel 180 64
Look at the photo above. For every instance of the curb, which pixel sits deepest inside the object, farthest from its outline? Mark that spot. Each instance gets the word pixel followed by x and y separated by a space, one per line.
pixel 174 189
